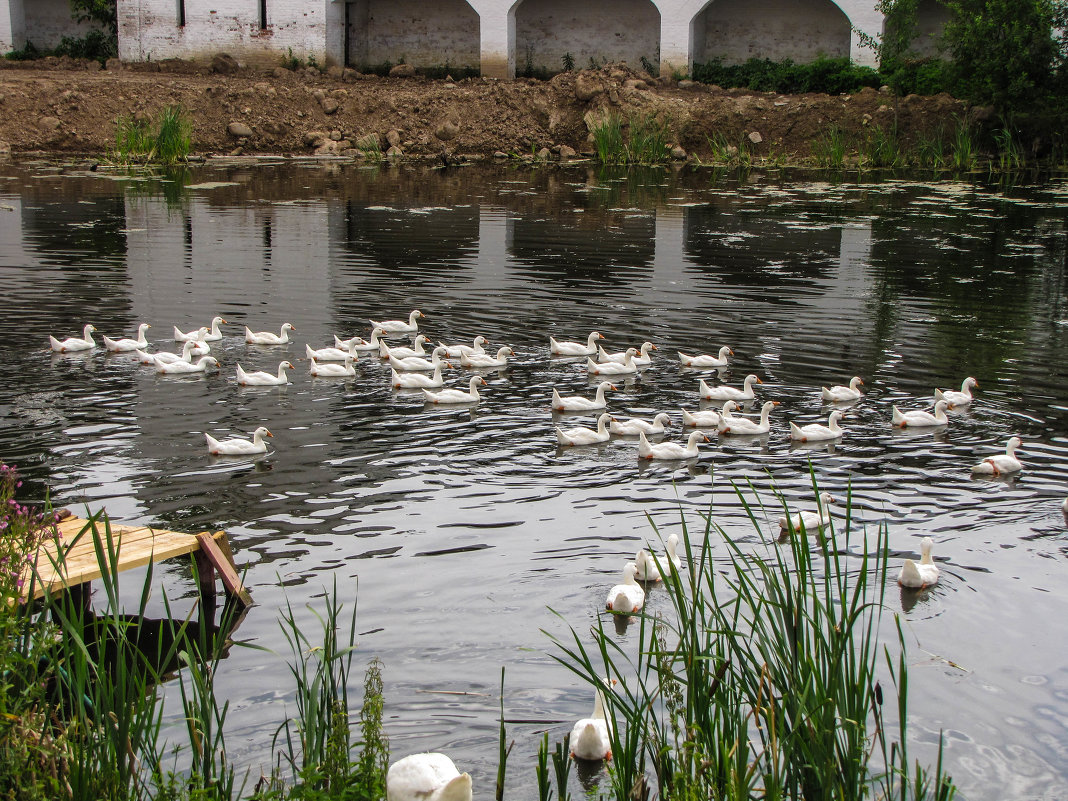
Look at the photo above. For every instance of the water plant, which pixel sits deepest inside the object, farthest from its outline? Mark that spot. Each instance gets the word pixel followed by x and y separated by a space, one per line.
pixel 963 147
pixel 766 682
pixel 168 142
pixel 830 148
pixel 881 148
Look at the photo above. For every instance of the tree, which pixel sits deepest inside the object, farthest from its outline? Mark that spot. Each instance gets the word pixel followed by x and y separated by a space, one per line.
pixel 102 12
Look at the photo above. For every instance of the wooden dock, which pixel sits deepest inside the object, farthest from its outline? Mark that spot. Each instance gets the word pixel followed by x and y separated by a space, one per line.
pixel 73 560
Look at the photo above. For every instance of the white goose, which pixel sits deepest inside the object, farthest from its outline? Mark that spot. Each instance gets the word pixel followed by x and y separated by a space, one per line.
pixel 184 368
pixel 837 394
pixel 268 338
pixel 670 450
pixel 399 352
pixel 646 564
pixel 456 351
pixel 706 360
pixel 810 522
pixel 1002 462
pixel 261 378
pixel 591 738
pixel 579 435
pixel 919 574
pixel 627 367
pixel 954 398
pixel 331 354
pixel 708 418
pixel 399 326
pixel 127 345
pixel 577 403
pixel 416 380
pixel 921 419
pixel 359 343
pixel 168 358
pixel 419 364
pixel 635 425
pixel 730 393
pixel 642 359
pixel 457 395
pixel 484 360
pixel 815 432
pixel 575 348
pixel 628 597
pixel 237 446
pixel 213 333
pixel 74 344
pixel 729 424
pixel 427 777
pixel 332 369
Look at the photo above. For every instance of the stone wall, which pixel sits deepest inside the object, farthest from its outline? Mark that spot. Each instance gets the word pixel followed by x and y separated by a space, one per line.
pixel 595 30
pixel 422 34
pixel 43 23
pixel 738 30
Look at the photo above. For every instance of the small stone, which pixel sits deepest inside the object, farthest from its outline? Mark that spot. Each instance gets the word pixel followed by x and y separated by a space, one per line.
pixel 884 89
pixel 5 148
pixel 281 72
pixel 237 151
pixel 329 105
pixel 634 83
pixel 113 65
pixel 48 124
pixel 678 153
pixel 567 152
pixel 402 71
pixel 314 138
pixel 393 137
pixel 349 74
pixel 239 130
pixel 882 109
pixel 500 154
pixel 334 72
pixel 685 83
pixel 93 66
pixel 756 138
pixel 448 130
pixel 544 153
pixel 394 152
pixel 335 136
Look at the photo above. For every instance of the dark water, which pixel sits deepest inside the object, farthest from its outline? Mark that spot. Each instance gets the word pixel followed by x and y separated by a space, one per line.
pixel 457 529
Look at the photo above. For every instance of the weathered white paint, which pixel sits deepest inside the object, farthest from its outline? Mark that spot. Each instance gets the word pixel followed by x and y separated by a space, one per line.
pixel 498 35
pixel 420 35
pixel 594 30
pixel 149 30
pixel 12 26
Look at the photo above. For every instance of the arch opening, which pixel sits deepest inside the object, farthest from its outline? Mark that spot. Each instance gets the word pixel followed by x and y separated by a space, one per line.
pixel 735 31
pixel 444 33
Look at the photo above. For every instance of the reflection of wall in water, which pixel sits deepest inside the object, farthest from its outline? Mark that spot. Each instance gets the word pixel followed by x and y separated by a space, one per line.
pixel 595 248
pixel 181 261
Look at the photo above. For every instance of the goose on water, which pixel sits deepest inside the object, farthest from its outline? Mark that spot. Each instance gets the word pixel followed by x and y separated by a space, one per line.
pixel 921 419
pixel 331 354
pixel 427 777
pixel 839 393
pixel 707 418
pixel 815 432
pixel 126 345
pixel 213 334
pixel 415 364
pixel 732 424
pixel 385 350
pixel 580 435
pixel 456 351
pixel 706 359
pixel 746 393
pixel 626 367
pixel 74 344
pixel 575 348
pixel 167 358
pixel 182 368
pixel 670 450
pixel 415 380
pixel 810 522
pixel 399 326
pixel 261 378
pixel 642 359
pixel 647 565
pixel 359 343
pixel 628 597
pixel 333 369
pixel 485 360
pixel 267 337
pixel 453 396
pixel 591 738
pixel 954 398
pixel 1001 463
pixel 924 573
pixel 635 425
pixel 236 446
pixel 577 403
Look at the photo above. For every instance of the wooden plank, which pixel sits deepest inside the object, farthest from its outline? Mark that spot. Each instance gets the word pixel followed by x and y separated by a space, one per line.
pixel 135 546
pixel 229 576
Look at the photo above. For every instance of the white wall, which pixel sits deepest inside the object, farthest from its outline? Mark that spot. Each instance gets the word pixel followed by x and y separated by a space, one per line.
pixel 12 26
pixel 612 30
pixel 498 34
pixel 48 21
pixel 422 32
pixel 149 30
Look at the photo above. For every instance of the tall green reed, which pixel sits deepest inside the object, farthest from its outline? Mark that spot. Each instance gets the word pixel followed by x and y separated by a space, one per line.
pixel 763 681
pixel 169 141
pixel 830 148
pixel 963 147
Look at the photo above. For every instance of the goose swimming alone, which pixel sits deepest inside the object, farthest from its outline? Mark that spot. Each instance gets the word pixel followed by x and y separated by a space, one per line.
pixel 629 597
pixel 1002 462
pixel 399 326
pixel 921 419
pixel 237 446
pixel 591 738
pixel 924 573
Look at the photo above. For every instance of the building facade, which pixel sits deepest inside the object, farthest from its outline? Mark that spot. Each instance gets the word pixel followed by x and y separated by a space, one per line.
pixel 495 38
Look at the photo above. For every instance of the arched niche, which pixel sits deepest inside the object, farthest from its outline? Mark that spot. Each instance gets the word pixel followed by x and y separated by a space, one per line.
pixel 591 32
pixel 735 31
pixel 931 19
pixel 442 33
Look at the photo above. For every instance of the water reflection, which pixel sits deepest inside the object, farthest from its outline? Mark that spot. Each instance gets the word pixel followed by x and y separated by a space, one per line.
pixel 459 526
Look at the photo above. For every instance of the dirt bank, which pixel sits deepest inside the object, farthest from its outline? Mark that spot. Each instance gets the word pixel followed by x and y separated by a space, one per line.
pixel 69 107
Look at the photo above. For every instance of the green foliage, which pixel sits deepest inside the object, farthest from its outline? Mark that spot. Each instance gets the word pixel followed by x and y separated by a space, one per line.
pixel 830 148
pixel 169 142
pixel 881 148
pixel 27 53
pixel 568 62
pixel 770 687
pixel 645 142
pixel 100 12
pixel 962 155
pixel 830 75
pixel 369 782
pixel 650 67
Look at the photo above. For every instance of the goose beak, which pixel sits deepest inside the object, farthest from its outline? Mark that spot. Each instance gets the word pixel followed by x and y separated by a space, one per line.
pixel 482 381
pixel 269 434
pixel 600 336
pixel 776 403
pixel 731 352
pixel 759 381
pixel 861 382
pixel 615 387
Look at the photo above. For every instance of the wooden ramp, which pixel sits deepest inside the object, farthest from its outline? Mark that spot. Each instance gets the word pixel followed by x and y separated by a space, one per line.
pixel 68 562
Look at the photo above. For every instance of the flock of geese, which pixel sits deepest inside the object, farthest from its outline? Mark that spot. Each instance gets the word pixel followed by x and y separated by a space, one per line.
pixel 433 777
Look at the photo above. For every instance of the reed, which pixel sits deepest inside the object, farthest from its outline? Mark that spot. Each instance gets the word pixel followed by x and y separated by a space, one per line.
pixel 608 139
pixel 931 149
pixel 647 142
pixel 1010 154
pixel 764 682
pixel 168 142
pixel 881 148
pixel 963 147
pixel 830 148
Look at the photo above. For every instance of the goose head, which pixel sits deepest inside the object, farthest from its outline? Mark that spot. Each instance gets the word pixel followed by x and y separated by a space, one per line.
pixel 695 437
pixel 260 433
pixel 663 419
pixel 855 382
pixel 476 381
pixel 925 551
pixel 1012 445
pixel 833 418
pixel 208 361
pixel 940 408
pixel 630 570
pixel 504 352
pixel 728 407
pixel 141 330
pixel 969 382
pixel 750 380
pixel 603 421
pixel 724 352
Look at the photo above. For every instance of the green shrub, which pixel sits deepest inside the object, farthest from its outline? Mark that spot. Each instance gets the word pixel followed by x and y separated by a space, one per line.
pixel 828 75
pixel 168 143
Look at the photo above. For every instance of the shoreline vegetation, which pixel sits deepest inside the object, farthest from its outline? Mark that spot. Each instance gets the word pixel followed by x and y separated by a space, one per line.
pixel 765 680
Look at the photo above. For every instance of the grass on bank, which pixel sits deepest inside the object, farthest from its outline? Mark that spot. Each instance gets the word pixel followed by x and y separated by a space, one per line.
pixel 765 680
pixel 642 140
pixel 166 140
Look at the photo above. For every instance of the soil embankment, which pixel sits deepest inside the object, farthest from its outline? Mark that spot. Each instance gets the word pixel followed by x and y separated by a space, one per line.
pixel 65 107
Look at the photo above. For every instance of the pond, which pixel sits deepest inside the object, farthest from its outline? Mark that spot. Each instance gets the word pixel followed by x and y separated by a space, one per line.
pixel 458 530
